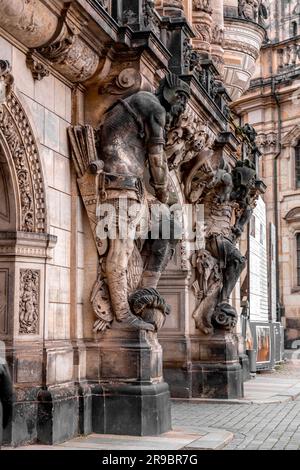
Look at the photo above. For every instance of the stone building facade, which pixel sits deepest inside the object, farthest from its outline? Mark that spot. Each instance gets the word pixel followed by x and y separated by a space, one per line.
pixel 66 66
pixel 272 105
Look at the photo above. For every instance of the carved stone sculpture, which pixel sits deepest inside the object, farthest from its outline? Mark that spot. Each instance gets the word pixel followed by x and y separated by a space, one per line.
pixel 248 9
pixel 38 70
pixel 202 5
pixel 230 195
pixel 130 135
pixel 29 301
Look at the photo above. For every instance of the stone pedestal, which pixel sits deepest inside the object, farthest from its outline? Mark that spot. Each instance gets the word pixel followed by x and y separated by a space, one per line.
pixel 216 371
pixel 131 397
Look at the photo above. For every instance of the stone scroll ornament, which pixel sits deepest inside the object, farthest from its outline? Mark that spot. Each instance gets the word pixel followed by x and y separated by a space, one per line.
pixel 110 163
pixel 229 199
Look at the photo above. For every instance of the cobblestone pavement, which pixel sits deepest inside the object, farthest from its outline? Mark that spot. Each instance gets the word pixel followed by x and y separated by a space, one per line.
pixel 255 426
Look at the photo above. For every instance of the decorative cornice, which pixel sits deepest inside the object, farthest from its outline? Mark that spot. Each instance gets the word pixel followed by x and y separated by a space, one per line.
pixel 242 47
pixel 33 245
pixel 292 138
pixel 293 215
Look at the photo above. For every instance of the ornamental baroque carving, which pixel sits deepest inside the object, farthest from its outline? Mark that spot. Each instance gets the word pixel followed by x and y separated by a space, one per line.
pixel 242 47
pixel 202 5
pixel 69 54
pixel 16 132
pixel 253 10
pixel 38 70
pixel 229 200
pixel 185 142
pixel 110 163
pixel 248 9
pixel 217 34
pixel 29 301
pixel 266 142
pixel 203 31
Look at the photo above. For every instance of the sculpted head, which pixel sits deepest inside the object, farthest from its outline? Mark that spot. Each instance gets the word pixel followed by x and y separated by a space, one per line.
pixel 173 94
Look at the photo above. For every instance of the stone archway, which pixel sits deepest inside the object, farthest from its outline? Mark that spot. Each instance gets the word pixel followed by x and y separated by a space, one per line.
pixel 8 217
pixel 19 145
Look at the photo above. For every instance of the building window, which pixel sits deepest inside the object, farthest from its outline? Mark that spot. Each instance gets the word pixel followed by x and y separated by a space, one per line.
pixel 252 226
pixel 294 28
pixel 298 258
pixel 297 165
pixel 261 234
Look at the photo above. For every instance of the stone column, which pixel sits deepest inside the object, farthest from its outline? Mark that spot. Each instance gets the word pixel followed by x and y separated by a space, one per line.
pixel 217 39
pixel 202 25
pixel 23 257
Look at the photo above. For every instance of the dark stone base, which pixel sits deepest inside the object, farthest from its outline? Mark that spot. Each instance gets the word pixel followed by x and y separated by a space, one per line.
pixel 244 362
pixel 179 379
pixel 46 416
pixel 58 415
pixel 22 428
pixel 217 380
pixel 217 373
pixel 85 409
pixel 137 410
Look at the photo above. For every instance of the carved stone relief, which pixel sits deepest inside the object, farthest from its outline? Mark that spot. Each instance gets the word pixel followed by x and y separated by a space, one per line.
pixel 17 134
pixel 202 5
pixel 228 201
pixel 69 54
pixel 38 69
pixel 29 301
pixel 128 137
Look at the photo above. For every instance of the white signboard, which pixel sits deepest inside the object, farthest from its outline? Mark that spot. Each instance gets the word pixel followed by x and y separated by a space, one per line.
pixel 272 264
pixel 258 265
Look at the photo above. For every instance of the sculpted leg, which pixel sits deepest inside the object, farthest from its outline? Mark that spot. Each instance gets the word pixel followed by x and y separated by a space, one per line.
pixel 234 268
pixel 116 273
pixel 159 254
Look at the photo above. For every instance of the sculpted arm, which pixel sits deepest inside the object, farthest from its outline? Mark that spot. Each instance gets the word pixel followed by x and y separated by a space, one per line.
pixel 157 160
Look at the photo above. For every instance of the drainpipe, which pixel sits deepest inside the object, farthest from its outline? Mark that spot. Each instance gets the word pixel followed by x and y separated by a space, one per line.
pixel 279 310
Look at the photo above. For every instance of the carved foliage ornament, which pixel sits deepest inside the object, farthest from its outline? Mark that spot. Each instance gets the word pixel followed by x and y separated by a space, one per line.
pixel 16 131
pixel 29 301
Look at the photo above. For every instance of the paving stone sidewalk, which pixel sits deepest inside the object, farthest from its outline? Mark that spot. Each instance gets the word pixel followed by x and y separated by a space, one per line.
pixel 174 440
pixel 268 418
